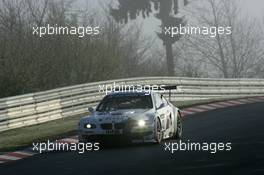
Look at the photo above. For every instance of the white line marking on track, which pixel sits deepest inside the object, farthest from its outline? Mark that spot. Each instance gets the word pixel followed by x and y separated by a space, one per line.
pixel 236 102
pixel 216 105
pixel 206 107
pixel 233 103
pixel 255 99
pixel 69 140
pixel 196 109
pixel 9 157
pixel 24 153
pixel 226 104
pixel 187 112
pixel 245 100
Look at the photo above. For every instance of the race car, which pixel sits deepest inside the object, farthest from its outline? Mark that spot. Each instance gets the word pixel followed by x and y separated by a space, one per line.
pixel 134 116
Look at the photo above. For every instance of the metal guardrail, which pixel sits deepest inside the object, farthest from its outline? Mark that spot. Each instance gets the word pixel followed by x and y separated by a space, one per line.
pixel 35 108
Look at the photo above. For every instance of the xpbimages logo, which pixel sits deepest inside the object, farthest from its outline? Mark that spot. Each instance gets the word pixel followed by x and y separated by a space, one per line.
pixel 212 31
pixel 195 146
pixel 80 31
pixel 122 87
pixel 58 146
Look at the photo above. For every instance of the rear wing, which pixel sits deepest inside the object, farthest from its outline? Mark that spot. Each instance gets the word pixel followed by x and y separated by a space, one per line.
pixel 169 88
pixel 132 88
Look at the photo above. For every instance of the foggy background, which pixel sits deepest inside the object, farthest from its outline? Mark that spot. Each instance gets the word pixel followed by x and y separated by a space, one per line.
pixel 131 43
pixel 252 8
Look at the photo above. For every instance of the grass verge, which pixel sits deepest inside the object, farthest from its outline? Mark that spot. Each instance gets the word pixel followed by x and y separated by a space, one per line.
pixel 22 137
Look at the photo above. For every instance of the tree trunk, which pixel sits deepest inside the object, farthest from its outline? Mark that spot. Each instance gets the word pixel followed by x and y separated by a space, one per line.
pixel 218 39
pixel 170 61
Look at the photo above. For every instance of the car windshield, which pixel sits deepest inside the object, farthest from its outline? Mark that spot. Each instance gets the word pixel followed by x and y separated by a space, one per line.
pixel 113 103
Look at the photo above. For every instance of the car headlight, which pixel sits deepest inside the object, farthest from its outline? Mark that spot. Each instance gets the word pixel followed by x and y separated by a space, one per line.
pixel 141 123
pixel 88 126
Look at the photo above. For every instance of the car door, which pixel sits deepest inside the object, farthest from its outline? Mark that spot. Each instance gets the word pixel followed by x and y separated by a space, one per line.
pixel 164 111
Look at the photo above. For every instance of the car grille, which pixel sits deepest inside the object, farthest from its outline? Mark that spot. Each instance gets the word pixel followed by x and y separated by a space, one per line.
pixel 106 126
pixel 119 125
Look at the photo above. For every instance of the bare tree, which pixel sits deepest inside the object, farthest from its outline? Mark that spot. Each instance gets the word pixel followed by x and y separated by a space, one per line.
pixel 29 63
pixel 187 62
pixel 236 54
pixel 165 10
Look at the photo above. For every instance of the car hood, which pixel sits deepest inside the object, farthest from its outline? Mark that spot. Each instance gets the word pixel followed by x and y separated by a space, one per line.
pixel 118 116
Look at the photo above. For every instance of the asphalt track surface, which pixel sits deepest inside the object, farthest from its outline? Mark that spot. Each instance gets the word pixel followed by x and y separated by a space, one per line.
pixel 243 126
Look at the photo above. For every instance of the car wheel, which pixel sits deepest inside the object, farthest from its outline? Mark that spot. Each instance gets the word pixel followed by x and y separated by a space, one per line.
pixel 178 133
pixel 158 132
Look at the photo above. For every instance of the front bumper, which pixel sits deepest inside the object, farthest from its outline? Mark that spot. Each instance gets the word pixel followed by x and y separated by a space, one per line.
pixel 129 131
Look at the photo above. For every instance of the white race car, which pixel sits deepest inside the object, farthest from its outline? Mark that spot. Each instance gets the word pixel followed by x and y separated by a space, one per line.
pixel 133 116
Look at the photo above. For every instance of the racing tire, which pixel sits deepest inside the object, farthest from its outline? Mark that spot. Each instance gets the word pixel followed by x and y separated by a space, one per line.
pixel 158 131
pixel 178 133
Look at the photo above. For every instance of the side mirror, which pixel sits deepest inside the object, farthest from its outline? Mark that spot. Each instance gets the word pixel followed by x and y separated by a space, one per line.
pixel 91 109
